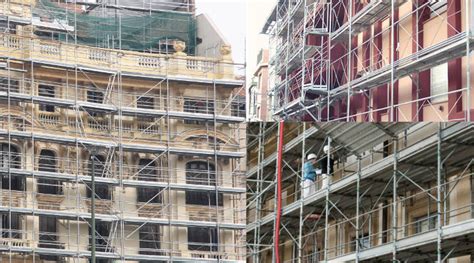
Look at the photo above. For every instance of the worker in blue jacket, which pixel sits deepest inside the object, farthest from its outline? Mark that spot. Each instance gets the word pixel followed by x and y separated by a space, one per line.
pixel 310 171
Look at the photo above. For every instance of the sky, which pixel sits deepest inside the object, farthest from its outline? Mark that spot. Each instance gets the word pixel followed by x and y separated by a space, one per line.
pixel 230 18
pixel 241 22
pixel 257 13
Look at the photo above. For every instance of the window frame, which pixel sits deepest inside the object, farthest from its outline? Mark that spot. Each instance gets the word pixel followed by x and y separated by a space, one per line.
pixel 435 88
pixel 196 236
pixel 196 197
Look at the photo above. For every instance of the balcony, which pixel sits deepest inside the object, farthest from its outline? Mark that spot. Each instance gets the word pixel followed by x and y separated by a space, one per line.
pixel 226 109
pixel 179 65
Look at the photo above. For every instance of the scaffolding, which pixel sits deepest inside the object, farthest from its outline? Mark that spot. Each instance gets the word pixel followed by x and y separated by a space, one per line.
pixel 138 146
pixel 334 61
pixel 427 168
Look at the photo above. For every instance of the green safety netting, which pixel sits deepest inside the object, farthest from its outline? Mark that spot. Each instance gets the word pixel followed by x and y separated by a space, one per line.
pixel 119 28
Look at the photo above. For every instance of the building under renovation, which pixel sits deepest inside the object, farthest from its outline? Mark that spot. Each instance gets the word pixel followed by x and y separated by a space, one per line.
pixel 371 60
pixel 121 134
pixel 395 192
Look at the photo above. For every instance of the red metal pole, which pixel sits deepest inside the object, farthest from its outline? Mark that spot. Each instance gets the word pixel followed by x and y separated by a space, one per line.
pixel 278 212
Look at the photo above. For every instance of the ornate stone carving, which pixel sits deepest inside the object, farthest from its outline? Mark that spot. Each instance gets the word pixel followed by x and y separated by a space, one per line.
pixel 226 52
pixel 179 47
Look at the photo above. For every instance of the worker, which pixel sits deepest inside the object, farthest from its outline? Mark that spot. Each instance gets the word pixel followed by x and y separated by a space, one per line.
pixel 309 175
pixel 326 164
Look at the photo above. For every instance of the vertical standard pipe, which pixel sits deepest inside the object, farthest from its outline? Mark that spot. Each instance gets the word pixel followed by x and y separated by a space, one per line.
pixel 349 64
pixel 468 63
pixel 278 212
pixel 256 238
pixel 93 209
pixel 392 61
pixel 300 230
pixel 359 167
pixel 326 215
pixel 394 200
pixel 438 201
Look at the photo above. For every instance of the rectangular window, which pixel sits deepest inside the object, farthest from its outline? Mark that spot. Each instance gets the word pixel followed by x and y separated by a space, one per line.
pixel 9 84
pixel 204 198
pixel 147 171
pixel 48 232
pixel 95 96
pixel 145 102
pixel 203 238
pixel 11 227
pixel 150 240
pixel 17 183
pixel 101 237
pixel 202 173
pixel 439 83
pixel 425 223
pixel 149 195
pixel 46 91
pixel 239 107
pixel 48 186
pixel 195 105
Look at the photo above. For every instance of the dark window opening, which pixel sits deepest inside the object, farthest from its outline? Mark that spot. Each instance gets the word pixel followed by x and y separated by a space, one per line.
pixel 9 85
pixel 98 166
pixel 150 240
pixel 146 102
pixel 10 157
pixel 49 35
pixel 239 107
pixel 198 106
pixel 101 237
pixel 48 237
pixel 46 91
pixel 387 149
pixel 47 163
pixel 7 27
pixel 147 171
pixel 11 226
pixel 203 238
pixel 95 96
pixel 202 173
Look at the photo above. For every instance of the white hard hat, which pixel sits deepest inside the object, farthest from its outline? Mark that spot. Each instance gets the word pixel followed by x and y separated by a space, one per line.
pixel 326 148
pixel 312 156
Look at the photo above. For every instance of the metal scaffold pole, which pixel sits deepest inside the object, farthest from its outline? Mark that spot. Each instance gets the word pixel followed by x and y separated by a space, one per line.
pixel 93 226
pixel 302 197
pixel 358 196
pixel 469 36
pixel 439 198
pixel 395 200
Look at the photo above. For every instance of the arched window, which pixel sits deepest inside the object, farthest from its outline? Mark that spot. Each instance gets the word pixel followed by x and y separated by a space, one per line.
pixel 97 166
pixel 202 173
pixel 47 163
pixel 10 157
pixel 147 171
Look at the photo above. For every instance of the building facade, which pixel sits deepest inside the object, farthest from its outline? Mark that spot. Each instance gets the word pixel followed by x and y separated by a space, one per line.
pixel 398 192
pixel 259 109
pixel 371 60
pixel 117 142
